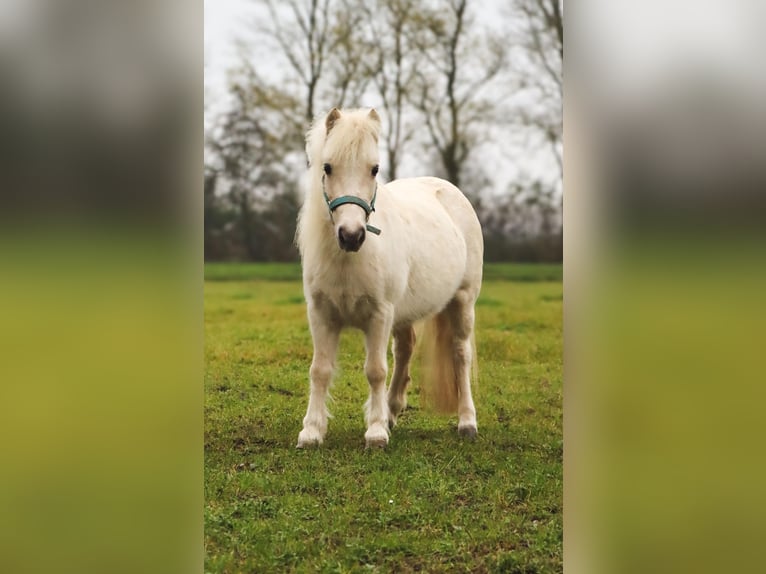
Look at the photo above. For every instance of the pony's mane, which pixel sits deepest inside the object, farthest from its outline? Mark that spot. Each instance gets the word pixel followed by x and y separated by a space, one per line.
pixel 354 127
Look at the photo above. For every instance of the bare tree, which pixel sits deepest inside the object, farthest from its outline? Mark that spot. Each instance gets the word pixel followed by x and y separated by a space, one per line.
pixel 348 61
pixel 537 26
pixel 301 29
pixel 545 27
pixel 459 62
pixel 392 24
pixel 321 41
pixel 247 174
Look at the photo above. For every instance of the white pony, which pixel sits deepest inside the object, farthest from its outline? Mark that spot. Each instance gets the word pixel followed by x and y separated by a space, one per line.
pixel 378 258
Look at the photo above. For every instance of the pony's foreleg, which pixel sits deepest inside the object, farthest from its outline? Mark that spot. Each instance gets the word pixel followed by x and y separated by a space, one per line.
pixel 404 343
pixel 462 314
pixel 325 347
pixel 376 369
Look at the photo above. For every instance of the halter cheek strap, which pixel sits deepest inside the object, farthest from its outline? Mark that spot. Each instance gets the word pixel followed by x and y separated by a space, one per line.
pixel 368 208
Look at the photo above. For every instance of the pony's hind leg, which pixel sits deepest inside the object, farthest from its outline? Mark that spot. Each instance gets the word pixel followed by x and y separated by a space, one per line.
pixel 325 347
pixel 461 314
pixel 376 369
pixel 404 343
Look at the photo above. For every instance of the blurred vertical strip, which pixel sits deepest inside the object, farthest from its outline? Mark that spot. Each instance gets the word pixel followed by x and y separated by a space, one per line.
pixel 101 286
pixel 665 281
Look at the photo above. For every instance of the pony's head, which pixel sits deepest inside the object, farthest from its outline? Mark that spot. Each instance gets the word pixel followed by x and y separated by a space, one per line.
pixel 343 151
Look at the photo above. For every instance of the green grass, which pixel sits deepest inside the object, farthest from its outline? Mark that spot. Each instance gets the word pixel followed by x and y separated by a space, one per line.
pixel 226 271
pixel 429 502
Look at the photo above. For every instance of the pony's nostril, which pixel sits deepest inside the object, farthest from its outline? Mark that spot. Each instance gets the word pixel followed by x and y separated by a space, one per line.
pixel 350 241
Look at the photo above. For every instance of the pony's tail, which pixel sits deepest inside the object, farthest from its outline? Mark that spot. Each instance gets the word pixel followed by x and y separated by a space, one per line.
pixel 440 384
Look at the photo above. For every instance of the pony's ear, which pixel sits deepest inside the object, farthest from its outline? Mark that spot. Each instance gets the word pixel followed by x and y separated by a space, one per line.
pixel 373 115
pixel 332 117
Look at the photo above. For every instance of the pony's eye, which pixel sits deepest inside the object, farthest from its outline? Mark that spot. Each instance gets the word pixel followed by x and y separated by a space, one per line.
pixel 374 170
pixel 327 168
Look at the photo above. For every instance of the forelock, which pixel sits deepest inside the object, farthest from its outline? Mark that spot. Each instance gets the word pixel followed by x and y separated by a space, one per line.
pixel 353 136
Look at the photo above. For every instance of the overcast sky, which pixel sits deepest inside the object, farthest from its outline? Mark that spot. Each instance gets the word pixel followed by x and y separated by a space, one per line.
pixel 225 22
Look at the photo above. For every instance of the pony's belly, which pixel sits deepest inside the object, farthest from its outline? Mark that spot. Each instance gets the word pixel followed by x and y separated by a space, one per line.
pixel 413 308
pixel 430 289
pixel 436 271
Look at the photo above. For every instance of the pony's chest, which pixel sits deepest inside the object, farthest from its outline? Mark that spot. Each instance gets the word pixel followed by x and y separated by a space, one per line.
pixel 344 306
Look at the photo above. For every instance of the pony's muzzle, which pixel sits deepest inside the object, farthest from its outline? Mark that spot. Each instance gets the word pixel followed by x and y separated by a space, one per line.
pixel 350 240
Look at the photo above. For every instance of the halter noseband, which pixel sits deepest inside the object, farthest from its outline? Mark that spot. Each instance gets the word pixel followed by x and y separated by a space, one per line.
pixel 368 208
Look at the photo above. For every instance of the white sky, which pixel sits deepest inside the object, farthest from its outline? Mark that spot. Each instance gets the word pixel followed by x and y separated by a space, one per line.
pixel 225 22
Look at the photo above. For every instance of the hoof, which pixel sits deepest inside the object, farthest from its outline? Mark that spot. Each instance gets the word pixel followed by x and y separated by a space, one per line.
pixel 376 443
pixel 377 435
pixel 308 444
pixel 468 432
pixel 308 439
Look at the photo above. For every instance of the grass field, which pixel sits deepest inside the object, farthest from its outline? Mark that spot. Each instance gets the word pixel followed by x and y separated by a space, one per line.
pixel 429 502
pixel 292 271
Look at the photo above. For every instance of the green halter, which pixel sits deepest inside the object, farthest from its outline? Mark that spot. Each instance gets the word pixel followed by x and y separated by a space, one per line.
pixel 368 208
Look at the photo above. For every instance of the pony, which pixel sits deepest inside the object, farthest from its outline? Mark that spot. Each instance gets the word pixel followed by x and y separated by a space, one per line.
pixel 379 257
